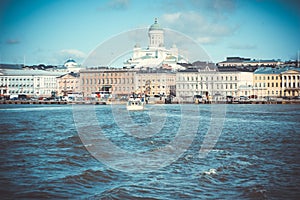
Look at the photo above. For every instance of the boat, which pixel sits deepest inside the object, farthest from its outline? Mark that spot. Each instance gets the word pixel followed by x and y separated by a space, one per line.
pixel 135 104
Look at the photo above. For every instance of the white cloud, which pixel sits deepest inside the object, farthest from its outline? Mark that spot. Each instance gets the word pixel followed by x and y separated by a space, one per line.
pixel 172 17
pixel 73 53
pixel 119 4
pixel 207 40
pixel 115 5
pixel 205 29
pixel 64 54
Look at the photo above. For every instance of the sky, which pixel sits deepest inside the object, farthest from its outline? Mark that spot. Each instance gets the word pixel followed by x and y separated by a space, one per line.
pixel 52 31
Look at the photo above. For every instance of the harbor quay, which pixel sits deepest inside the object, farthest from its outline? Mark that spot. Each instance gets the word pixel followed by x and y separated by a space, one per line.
pixel 163 101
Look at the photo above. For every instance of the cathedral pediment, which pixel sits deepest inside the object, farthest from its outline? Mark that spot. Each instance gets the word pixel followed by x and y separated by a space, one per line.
pixel 290 72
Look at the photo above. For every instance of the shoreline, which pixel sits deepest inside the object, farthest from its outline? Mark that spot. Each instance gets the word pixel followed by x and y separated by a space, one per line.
pixel 156 102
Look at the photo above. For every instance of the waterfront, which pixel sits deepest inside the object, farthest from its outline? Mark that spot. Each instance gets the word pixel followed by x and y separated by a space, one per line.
pixel 256 156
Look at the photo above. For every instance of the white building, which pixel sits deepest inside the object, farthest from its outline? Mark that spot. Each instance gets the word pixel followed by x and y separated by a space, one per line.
pixel 33 83
pixel 291 82
pixel 212 84
pixel 72 66
pixel 156 55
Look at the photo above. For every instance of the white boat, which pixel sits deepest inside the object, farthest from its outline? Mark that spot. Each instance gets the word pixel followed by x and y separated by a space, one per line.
pixel 135 104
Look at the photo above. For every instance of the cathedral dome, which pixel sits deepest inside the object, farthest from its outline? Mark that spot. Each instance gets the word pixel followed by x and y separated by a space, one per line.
pixel 155 26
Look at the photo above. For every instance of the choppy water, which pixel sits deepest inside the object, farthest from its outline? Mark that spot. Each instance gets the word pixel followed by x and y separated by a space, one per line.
pixel 256 156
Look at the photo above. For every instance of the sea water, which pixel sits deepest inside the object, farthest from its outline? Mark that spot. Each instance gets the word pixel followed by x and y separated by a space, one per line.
pixel 254 155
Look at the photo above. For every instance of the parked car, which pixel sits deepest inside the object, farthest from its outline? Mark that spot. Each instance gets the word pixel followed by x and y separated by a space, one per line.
pixel 296 97
pixel 267 98
pixel 253 97
pixel 286 98
pixel 244 98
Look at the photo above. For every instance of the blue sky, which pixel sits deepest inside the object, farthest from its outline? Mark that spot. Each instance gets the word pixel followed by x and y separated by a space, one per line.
pixel 51 31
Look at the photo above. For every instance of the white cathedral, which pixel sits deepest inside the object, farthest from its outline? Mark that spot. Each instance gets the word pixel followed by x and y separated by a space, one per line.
pixel 156 55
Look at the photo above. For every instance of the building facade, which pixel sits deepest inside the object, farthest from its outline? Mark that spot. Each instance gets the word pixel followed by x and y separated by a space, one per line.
pixel 155 83
pixel 212 84
pixel 290 82
pixel 32 83
pixel 267 82
pixel 118 82
pixel 68 83
pixel 277 82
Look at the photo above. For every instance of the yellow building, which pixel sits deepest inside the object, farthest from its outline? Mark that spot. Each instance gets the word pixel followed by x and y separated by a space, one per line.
pixel 68 83
pixel 276 82
pixel 155 83
pixel 267 82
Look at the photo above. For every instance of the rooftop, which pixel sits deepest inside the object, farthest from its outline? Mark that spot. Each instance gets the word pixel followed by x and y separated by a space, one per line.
pixel 272 70
pixel 20 72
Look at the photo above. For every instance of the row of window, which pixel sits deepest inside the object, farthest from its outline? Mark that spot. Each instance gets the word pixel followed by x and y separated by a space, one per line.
pixel 20 91
pixel 16 79
pixel 86 75
pixel 107 81
pixel 190 94
pixel 119 89
pixel 291 85
pixel 291 77
pixel 210 86
pixel 267 78
pixel 277 77
pixel 267 84
pixel 211 78
pixel 154 87
pixel 20 85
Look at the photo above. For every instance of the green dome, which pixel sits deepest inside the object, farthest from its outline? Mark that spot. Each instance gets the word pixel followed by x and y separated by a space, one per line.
pixel 155 26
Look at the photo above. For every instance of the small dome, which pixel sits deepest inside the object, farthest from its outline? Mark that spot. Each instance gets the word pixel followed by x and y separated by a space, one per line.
pixel 155 26
pixel 70 61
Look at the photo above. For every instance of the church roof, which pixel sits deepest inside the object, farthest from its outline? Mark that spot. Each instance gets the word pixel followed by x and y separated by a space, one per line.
pixel 70 60
pixel 155 26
